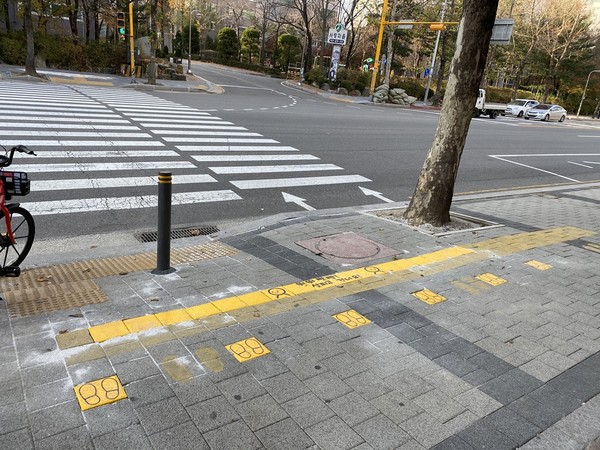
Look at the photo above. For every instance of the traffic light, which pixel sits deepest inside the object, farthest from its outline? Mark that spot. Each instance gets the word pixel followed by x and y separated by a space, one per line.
pixel 121 24
pixel 437 26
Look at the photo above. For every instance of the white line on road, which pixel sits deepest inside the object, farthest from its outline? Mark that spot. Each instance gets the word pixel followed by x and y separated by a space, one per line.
pixel 102 154
pixel 222 140
pixel 98 134
pixel 116 203
pixel 63 143
pixel 59 113
pixel 99 183
pixel 34 104
pixel 274 169
pixel 544 154
pixel 579 164
pixel 591 162
pixel 589 136
pixel 292 157
pixel 169 120
pixel 534 168
pixel 235 148
pixel 90 126
pixel 167 112
pixel 204 133
pixel 303 181
pixel 193 126
pixel 73 119
pixel 105 167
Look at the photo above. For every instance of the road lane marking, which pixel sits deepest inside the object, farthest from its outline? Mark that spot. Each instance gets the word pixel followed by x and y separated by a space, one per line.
pixel 204 133
pixel 98 183
pixel 303 181
pixel 101 154
pixel 235 148
pixel 103 166
pixel 69 143
pixel 219 126
pixel 579 164
pixel 222 140
pixel 535 168
pixel 291 157
pixel 274 169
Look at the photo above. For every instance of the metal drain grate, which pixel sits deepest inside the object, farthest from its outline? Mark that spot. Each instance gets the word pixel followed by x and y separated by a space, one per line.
pixel 180 233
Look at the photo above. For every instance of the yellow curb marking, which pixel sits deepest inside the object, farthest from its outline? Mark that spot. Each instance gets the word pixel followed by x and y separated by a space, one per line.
pixel 538 265
pixel 173 316
pixel 99 392
pixel 137 324
pixel 491 279
pixel 352 319
pixel 365 278
pixel 471 285
pixel 247 349
pixel 592 247
pixel 429 297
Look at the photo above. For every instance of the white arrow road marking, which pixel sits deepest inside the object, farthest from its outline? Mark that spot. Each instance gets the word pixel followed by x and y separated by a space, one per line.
pixel 288 198
pixel 117 203
pixel 375 194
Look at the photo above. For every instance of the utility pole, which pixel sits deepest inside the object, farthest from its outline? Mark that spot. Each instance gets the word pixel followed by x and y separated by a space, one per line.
pixel 435 48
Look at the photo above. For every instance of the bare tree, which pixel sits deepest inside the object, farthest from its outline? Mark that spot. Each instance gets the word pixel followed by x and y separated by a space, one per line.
pixel 433 194
pixel 28 24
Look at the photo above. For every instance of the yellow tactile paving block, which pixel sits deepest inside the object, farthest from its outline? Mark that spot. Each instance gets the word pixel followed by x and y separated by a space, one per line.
pixel 491 279
pixel 229 304
pixel 257 298
pixel 429 297
pixel 137 324
pixel 538 265
pixel 202 311
pixel 110 330
pixel 99 392
pixel 173 316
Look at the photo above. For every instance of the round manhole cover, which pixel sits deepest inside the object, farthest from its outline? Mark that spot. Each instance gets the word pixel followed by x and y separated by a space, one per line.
pixel 348 247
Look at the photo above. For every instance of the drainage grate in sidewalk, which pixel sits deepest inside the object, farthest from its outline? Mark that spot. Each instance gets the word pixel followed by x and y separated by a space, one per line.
pixel 180 233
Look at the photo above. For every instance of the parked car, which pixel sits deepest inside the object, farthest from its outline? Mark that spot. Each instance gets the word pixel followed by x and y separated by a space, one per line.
pixel 547 112
pixel 519 107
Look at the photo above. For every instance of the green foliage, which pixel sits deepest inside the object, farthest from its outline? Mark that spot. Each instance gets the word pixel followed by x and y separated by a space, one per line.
pixel 103 56
pixel 250 42
pixel 352 79
pixel 182 38
pixel 413 86
pixel 12 49
pixel 314 76
pixel 61 52
pixel 289 46
pixel 227 44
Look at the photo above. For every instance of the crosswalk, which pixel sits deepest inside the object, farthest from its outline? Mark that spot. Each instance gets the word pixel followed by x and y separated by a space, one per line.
pixel 97 146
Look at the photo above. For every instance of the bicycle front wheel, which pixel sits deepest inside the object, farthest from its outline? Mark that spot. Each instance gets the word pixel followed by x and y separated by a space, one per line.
pixel 23 229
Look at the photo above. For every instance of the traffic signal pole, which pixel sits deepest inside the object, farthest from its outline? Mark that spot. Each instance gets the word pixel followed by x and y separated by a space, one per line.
pixel 131 43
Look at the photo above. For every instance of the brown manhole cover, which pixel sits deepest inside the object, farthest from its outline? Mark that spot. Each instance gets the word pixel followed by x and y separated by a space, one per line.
pixel 347 248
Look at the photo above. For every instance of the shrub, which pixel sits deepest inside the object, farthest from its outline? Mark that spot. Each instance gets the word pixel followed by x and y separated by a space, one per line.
pixel 12 49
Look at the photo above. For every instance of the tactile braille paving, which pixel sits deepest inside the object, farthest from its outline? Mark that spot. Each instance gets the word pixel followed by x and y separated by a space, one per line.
pixel 70 285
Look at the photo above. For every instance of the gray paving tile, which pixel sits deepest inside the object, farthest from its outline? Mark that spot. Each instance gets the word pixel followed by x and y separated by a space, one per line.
pixel 136 369
pixel 368 385
pixel 11 392
pixel 55 419
pixel 552 438
pixel 184 436
pixel 263 368
pixel 10 372
pixel 260 412
pixel 307 410
pixel 76 439
pixel 111 417
pixel 426 430
pixel 90 370
pixel 44 373
pixel 327 386
pixel 482 435
pixel 195 390
pixel 344 365
pixel 148 390
pixel 162 415
pixel 511 424
pixel 306 366
pixel 477 402
pixel 124 439
pixel 535 412
pixel 334 434
pixel 232 436
pixel 510 386
pixel 13 417
pixel 17 440
pixel 439 405
pixel 285 387
pixel 284 435
pixel 452 443
pixel 42 396
pixel 381 433
pixel 353 409
pixel 241 388
pixel 212 414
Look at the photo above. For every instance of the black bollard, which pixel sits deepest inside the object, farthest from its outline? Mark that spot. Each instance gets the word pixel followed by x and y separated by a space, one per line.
pixel 163 235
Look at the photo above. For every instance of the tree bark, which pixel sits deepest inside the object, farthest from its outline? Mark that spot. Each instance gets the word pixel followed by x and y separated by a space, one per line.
pixel 28 24
pixel 432 198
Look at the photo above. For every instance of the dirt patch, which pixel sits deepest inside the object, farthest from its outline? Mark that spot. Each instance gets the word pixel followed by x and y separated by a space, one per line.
pixel 458 222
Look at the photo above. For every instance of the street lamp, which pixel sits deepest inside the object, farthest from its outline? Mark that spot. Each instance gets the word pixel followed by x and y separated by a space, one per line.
pixel 195 12
pixel 585 89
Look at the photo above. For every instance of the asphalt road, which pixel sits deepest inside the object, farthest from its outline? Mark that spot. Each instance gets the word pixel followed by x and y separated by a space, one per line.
pixel 317 153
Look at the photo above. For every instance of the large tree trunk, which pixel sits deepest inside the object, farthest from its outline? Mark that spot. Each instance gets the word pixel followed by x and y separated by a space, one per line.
pixel 432 198
pixel 152 67
pixel 6 15
pixel 28 24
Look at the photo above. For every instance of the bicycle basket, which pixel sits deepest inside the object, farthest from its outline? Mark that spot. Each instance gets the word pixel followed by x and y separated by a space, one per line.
pixel 15 183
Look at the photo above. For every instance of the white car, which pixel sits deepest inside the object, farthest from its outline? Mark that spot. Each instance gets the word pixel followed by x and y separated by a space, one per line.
pixel 519 107
pixel 547 112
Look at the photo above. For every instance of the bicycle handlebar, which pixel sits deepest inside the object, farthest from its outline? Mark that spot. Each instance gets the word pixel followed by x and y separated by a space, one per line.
pixel 6 161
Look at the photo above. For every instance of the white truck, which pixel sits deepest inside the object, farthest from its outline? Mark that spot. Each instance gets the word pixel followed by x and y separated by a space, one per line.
pixel 482 108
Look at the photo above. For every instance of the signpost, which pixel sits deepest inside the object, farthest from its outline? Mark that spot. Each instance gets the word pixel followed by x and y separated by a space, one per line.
pixel 336 36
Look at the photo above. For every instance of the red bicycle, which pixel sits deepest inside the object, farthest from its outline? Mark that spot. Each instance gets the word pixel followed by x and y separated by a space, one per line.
pixel 17 230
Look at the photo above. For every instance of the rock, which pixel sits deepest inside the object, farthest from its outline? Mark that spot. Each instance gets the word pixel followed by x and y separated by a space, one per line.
pixel 410 100
pixel 342 91
pixel 366 92
pixel 325 87
pixel 354 93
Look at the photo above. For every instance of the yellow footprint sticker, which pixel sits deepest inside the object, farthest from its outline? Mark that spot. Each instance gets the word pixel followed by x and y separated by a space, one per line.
pixel 351 318
pixel 99 392
pixel 247 349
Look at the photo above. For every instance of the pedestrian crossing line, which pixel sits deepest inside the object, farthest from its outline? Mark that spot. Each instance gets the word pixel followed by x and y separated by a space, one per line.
pixel 98 134
pixel 219 126
pixel 71 126
pixel 119 203
pixel 101 183
pixel 222 140
pixel 68 143
pixel 26 103
pixel 105 167
pixel 102 154
pixel 235 148
pixel 56 109
pixel 49 115
pixel 19 100
pixel 214 158
pixel 205 133
pixel 72 119
pixel 177 111
pixel 181 121
pixel 295 182
pixel 274 169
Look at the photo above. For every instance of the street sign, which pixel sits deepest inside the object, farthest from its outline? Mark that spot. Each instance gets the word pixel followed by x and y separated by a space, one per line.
pixel 407 26
pixel 337 36
pixel 502 31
